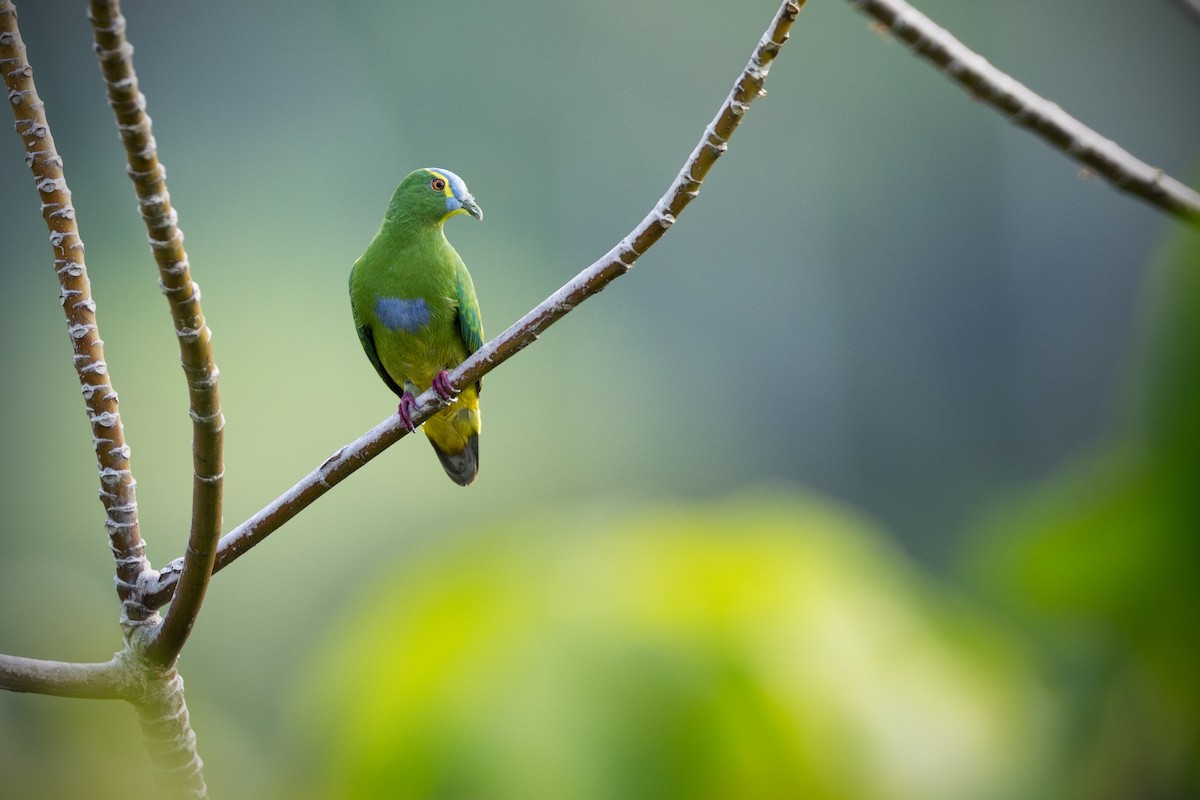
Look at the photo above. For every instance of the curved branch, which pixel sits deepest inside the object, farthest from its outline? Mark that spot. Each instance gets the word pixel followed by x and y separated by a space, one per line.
pixel 100 681
pixel 117 486
pixel 183 296
pixel 1029 110
pixel 1190 7
pixel 614 263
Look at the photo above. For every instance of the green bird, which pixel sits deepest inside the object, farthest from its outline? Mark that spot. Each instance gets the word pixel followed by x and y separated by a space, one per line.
pixel 417 316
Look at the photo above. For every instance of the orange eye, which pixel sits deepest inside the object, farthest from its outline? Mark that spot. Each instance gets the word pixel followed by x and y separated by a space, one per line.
pixel 438 185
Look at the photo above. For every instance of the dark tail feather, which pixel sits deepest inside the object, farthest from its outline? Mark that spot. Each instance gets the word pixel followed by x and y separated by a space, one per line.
pixel 461 467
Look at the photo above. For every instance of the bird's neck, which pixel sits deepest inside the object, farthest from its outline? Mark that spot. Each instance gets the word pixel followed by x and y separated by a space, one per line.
pixel 400 230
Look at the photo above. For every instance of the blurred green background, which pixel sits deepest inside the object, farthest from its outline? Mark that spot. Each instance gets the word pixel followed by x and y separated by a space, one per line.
pixel 876 478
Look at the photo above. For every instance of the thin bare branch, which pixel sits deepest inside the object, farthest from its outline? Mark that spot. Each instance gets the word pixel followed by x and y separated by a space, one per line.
pixel 1029 110
pixel 183 296
pixel 100 681
pixel 1190 7
pixel 117 486
pixel 614 263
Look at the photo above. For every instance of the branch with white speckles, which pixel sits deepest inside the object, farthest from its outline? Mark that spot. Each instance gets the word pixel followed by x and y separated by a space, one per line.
pixel 148 683
pixel 117 486
pixel 183 296
pixel 1029 110
pixel 615 263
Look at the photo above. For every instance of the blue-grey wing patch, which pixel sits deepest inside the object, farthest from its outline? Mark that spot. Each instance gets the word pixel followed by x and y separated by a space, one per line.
pixel 402 314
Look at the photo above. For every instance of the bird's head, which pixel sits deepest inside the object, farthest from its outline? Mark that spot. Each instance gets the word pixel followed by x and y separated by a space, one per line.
pixel 434 195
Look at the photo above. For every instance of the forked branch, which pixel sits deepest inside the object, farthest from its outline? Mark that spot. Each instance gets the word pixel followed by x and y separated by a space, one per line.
pixel 614 263
pixel 138 674
pixel 1030 110
pixel 183 296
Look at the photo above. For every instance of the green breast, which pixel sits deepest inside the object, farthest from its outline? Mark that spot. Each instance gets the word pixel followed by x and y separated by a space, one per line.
pixel 404 289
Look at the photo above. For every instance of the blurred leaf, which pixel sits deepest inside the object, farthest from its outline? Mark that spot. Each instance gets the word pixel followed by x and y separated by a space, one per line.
pixel 758 648
pixel 1103 560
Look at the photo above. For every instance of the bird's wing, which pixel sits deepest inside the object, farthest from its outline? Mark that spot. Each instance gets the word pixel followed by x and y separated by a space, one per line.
pixel 367 337
pixel 470 325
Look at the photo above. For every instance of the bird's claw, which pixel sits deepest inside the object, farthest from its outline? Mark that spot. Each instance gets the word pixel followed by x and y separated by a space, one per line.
pixel 442 387
pixel 407 402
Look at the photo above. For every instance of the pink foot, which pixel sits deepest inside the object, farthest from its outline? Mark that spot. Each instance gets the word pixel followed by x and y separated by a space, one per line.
pixel 442 387
pixel 405 411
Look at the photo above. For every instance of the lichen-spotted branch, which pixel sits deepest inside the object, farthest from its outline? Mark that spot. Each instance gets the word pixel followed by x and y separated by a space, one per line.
pixel 154 688
pixel 1029 110
pixel 117 486
pixel 168 735
pixel 614 263
pixel 183 296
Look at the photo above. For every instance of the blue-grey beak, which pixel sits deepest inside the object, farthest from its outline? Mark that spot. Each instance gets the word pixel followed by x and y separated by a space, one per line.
pixel 471 207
